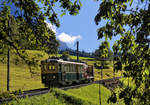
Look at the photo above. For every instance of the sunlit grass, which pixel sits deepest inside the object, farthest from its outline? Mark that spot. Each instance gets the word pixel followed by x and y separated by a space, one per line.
pixel 46 99
pixel 91 94
pixel 20 78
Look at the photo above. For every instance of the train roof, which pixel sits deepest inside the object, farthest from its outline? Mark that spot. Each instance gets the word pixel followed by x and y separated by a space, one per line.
pixel 62 61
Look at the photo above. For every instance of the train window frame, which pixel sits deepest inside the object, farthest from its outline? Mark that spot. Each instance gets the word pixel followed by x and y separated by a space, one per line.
pixel 63 68
pixel 49 67
pixel 79 68
pixel 82 68
pixel 71 68
pixel 67 68
pixel 53 67
pixel 45 66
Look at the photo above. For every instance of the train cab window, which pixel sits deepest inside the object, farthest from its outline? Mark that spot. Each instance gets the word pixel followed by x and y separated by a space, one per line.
pixel 51 67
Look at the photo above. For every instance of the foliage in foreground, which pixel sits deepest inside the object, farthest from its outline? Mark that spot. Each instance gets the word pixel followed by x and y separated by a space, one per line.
pixel 129 20
pixel 22 29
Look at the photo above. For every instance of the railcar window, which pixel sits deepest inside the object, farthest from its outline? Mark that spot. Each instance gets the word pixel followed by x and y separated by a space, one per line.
pixel 71 68
pixel 81 68
pixel 63 67
pixel 67 68
pixel 78 68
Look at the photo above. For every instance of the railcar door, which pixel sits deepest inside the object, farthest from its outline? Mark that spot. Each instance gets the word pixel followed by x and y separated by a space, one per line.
pixel 77 70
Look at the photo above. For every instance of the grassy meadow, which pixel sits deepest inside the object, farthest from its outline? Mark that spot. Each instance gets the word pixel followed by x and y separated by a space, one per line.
pixel 88 95
pixel 22 78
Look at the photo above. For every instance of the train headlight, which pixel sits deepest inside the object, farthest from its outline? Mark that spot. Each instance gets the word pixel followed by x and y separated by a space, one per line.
pixel 54 77
pixel 43 77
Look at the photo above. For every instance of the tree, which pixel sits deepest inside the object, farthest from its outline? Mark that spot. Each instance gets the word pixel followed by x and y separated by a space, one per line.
pixel 28 28
pixel 130 20
pixel 104 53
pixel 65 55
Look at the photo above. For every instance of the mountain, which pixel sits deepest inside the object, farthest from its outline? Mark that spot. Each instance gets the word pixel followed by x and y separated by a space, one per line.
pixel 62 45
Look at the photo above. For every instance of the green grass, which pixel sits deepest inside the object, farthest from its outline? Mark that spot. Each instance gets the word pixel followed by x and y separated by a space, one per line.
pixel 46 99
pixel 20 78
pixel 88 94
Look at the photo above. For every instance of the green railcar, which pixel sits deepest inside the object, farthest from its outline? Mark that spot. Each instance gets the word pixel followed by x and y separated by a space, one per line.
pixel 55 72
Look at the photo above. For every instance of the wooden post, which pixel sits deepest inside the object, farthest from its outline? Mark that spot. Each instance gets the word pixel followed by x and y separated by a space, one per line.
pixel 77 51
pixel 8 60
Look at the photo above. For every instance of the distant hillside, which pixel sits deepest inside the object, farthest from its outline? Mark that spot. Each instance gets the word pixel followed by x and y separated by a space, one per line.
pixel 63 46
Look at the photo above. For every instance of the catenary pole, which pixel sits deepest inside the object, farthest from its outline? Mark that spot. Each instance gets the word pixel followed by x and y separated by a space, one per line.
pixel 77 51
pixel 8 59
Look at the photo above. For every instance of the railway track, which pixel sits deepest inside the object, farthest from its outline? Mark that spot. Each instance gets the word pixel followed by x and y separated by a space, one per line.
pixel 46 90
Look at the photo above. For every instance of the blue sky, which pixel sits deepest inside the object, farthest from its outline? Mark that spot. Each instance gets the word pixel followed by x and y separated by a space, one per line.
pixel 82 25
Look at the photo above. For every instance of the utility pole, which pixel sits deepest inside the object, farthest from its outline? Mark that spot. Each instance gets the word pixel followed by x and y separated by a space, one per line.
pixel 8 59
pixel 77 51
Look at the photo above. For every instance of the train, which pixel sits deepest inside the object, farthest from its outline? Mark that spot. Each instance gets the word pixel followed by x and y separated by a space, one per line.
pixel 58 72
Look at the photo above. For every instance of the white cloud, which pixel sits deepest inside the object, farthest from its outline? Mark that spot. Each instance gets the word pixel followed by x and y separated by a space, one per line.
pixel 68 38
pixel 52 27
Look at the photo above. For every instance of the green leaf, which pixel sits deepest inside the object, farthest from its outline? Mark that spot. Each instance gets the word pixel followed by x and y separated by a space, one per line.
pixel 146 72
pixel 111 1
pixel 142 1
pixel 131 2
pixel 62 14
